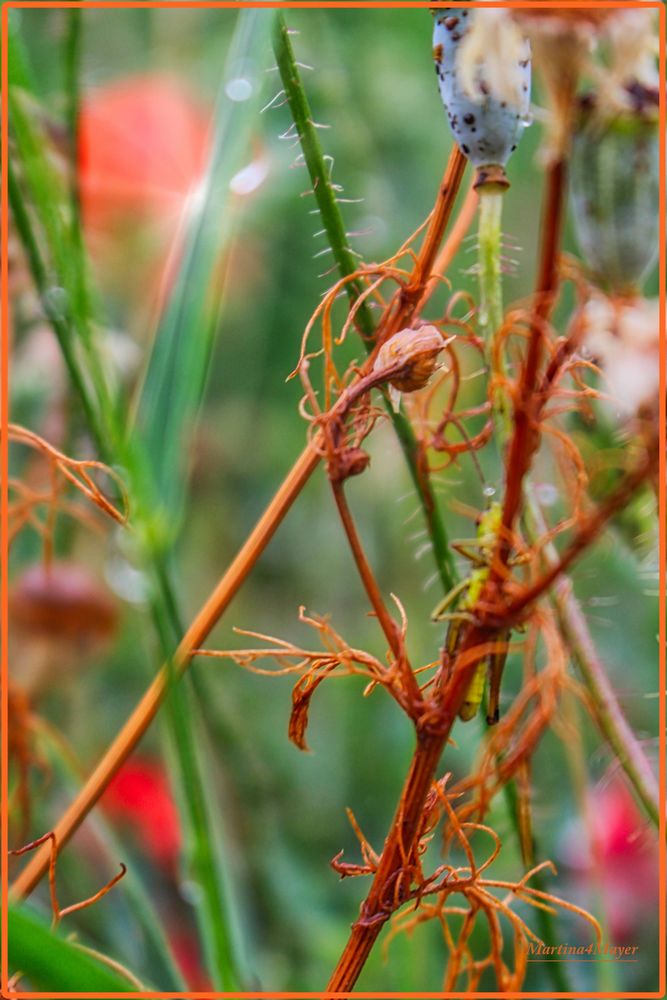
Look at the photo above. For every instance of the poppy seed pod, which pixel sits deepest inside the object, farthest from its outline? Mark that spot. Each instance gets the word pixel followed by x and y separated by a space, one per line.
pixel 615 189
pixel 483 67
pixel 59 616
pixel 64 601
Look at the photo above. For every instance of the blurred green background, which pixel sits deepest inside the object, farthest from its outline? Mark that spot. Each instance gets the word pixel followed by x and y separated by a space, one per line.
pixel 281 812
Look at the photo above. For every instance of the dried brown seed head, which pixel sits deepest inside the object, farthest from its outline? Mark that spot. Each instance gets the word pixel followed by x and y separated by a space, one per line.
pixel 416 352
pixel 62 601
pixel 353 462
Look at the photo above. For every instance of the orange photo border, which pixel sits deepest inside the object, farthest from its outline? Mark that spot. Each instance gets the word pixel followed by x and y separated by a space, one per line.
pixel 4 413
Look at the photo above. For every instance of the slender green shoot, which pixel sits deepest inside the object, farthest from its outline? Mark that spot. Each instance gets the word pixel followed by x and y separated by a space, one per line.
pixel 332 222
pixel 490 282
pixel 491 297
pixel 203 864
pixel 175 380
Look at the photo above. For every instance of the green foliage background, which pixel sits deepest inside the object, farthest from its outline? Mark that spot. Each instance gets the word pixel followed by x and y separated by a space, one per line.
pixel 280 813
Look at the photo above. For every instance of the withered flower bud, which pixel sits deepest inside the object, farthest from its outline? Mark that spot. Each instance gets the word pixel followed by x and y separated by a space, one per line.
pixel 416 351
pixel 353 462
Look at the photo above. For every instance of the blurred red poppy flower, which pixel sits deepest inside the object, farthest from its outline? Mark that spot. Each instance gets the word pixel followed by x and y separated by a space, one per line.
pixel 143 142
pixel 185 948
pixel 623 853
pixel 139 796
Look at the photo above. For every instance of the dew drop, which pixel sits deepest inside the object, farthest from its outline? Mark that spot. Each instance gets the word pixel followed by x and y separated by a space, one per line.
pixel 250 177
pixel 546 494
pixel 128 583
pixel 489 491
pixel 239 89
pixel 191 891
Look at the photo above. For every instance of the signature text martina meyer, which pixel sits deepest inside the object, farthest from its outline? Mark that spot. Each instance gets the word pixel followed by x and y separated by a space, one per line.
pixel 618 953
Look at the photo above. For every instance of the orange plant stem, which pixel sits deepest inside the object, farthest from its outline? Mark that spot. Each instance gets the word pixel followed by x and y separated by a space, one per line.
pixel 449 187
pixel 387 888
pixel 145 711
pixel 405 305
pixel 372 589
pixel 462 224
pixel 387 623
pixel 392 880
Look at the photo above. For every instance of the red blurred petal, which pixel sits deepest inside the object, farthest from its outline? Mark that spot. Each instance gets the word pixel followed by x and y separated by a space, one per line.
pixel 142 147
pixel 140 796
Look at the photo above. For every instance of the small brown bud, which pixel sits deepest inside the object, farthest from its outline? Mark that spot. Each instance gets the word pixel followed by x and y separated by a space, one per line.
pixel 416 351
pixel 353 462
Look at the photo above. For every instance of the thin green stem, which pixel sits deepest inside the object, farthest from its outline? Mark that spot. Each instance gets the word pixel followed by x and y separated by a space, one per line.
pixel 205 871
pixel 58 270
pixel 59 323
pixel 72 71
pixel 491 301
pixel 608 713
pixel 325 196
pixel 332 222
pixel 490 281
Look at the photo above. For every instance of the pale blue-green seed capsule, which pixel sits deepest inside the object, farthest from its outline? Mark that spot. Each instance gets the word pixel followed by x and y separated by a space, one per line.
pixel 615 184
pixel 486 127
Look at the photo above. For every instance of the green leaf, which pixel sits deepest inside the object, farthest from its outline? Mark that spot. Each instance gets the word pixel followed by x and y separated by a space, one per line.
pixel 175 379
pixel 52 963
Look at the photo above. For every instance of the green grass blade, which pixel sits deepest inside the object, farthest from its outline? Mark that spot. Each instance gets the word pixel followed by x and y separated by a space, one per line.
pixel 71 71
pixel 19 72
pixel 56 260
pixel 52 963
pixel 203 860
pixel 176 374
